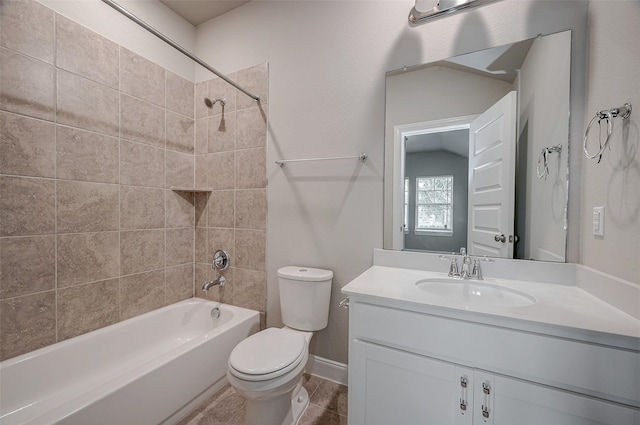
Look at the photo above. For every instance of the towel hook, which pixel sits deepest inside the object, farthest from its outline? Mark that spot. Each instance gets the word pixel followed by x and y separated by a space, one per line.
pixel 607 114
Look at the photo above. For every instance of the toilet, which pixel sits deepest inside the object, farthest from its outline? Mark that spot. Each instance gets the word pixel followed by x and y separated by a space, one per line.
pixel 266 368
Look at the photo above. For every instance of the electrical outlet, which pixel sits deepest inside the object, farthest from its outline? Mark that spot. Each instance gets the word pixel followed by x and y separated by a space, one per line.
pixel 598 221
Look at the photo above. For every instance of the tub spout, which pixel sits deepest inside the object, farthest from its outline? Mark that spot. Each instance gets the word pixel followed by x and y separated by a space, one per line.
pixel 209 283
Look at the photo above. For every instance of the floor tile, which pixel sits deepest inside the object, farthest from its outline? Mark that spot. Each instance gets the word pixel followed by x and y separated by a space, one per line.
pixel 327 406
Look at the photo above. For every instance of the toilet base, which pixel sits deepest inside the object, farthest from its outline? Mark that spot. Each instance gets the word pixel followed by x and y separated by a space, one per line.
pixel 283 410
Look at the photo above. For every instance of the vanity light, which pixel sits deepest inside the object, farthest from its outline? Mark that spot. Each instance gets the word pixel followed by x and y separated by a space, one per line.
pixel 430 9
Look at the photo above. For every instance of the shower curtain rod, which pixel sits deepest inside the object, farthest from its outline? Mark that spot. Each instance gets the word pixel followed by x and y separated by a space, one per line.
pixel 176 46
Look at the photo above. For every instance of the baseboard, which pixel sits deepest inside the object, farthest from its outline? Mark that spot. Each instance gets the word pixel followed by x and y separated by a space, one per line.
pixel 327 369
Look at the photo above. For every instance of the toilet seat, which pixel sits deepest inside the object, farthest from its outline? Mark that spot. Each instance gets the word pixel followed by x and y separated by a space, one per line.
pixel 267 354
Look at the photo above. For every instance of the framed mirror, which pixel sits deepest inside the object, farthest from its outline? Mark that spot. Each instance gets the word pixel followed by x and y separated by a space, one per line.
pixel 477 152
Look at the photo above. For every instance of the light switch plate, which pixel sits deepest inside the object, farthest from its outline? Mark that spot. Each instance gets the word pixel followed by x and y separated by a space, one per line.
pixel 598 221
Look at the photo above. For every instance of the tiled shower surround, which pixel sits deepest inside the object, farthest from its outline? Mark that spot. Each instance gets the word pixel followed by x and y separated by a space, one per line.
pixel 92 138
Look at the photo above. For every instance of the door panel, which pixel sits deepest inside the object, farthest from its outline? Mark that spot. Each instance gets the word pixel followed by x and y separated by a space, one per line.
pixel 492 141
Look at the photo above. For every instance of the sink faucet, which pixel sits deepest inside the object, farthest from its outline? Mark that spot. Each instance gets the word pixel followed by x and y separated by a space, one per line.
pixel 209 283
pixel 465 273
pixel 468 270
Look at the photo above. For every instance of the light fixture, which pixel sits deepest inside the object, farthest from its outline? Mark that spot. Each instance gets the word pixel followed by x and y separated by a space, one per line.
pixel 431 9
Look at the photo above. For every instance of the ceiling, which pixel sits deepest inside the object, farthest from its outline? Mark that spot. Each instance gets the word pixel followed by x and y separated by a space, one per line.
pixel 199 11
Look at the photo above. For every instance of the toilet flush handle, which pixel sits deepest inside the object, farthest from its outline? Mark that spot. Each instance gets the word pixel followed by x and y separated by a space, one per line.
pixel 344 303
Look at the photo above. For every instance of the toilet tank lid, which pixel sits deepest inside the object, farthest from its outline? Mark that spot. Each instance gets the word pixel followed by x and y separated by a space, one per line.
pixel 304 273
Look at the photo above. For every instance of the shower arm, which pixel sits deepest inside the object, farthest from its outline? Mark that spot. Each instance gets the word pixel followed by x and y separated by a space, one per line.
pixel 176 46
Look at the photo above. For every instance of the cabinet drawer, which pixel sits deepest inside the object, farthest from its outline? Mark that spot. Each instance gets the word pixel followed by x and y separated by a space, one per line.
pixel 600 371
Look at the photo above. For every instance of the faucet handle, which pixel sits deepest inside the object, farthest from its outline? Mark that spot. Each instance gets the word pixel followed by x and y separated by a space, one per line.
pixel 453 266
pixel 463 251
pixel 476 272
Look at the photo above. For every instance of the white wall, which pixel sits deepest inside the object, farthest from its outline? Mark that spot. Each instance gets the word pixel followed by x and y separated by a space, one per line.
pixel 327 62
pixel 101 18
pixel 544 107
pixel 614 60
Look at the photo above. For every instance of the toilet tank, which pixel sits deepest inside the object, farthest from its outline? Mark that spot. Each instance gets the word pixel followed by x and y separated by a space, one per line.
pixel 304 297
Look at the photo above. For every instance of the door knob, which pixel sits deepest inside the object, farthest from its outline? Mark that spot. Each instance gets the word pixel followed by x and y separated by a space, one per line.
pixel 500 238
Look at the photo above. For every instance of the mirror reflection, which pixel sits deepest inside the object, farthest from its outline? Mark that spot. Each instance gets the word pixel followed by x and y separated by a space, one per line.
pixel 476 152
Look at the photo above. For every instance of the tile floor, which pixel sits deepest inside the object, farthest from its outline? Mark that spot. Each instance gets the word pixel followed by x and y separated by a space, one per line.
pixel 327 406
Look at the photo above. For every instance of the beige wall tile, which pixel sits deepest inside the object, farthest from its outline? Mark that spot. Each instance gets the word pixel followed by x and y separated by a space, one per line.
pixel 202 178
pixel 27 207
pixel 141 208
pixel 85 308
pixel 141 121
pixel 179 283
pixel 201 245
pixel 180 209
pixel 87 257
pixel 141 165
pixel 27 323
pixel 222 133
pixel 221 239
pixel 251 209
pixel 251 171
pixel 201 91
pixel 256 81
pixel 142 250
pixel 86 156
pixel 86 207
pixel 27 86
pixel 179 246
pixel 84 52
pixel 141 78
pixel 27 265
pixel 180 170
pixel 218 88
pixel 221 208
pixel 252 128
pixel 27 146
pixel 202 136
pixel 27 27
pixel 140 293
pixel 250 289
pixel 202 199
pixel 86 104
pixel 250 249
pixel 221 170
pixel 180 133
pixel 180 95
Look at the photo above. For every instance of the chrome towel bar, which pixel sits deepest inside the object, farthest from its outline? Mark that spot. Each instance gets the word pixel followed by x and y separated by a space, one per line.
pixel 362 158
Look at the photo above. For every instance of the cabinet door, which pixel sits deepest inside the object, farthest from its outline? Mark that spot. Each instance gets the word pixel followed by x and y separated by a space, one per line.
pixel 518 402
pixel 392 387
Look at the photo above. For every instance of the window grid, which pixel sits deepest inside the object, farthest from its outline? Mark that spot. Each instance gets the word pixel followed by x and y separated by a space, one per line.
pixel 434 203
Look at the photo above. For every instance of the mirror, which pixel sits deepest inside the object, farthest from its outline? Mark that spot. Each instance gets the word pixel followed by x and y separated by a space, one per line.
pixel 476 152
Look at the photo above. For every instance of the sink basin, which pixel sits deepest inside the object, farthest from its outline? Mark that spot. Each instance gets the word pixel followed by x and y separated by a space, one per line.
pixel 473 293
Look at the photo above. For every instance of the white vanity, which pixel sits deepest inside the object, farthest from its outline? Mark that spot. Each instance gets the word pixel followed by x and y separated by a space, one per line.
pixel 537 349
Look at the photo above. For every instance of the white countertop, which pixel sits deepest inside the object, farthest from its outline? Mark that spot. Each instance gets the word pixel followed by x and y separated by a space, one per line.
pixel 560 310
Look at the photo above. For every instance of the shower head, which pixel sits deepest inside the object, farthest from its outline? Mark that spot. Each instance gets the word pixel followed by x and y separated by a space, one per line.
pixel 210 102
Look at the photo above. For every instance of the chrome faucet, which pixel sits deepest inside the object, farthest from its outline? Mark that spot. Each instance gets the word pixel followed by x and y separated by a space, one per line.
pixel 468 270
pixel 209 283
pixel 465 273
pixel 220 262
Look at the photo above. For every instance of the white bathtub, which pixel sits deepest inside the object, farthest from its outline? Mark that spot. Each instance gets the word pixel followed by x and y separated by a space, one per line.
pixel 149 370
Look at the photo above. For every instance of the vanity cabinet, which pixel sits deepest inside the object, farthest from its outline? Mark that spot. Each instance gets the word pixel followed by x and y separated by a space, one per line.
pixel 408 368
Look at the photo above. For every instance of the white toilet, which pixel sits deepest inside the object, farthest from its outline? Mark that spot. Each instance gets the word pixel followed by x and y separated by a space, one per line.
pixel 267 367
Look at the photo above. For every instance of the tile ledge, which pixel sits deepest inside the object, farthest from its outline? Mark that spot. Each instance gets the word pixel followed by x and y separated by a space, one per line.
pixel 190 189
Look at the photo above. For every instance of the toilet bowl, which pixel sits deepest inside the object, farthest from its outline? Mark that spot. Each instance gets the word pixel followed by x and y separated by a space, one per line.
pixel 266 368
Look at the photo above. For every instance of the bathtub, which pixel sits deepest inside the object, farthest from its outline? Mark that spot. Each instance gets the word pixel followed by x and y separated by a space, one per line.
pixel 149 370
